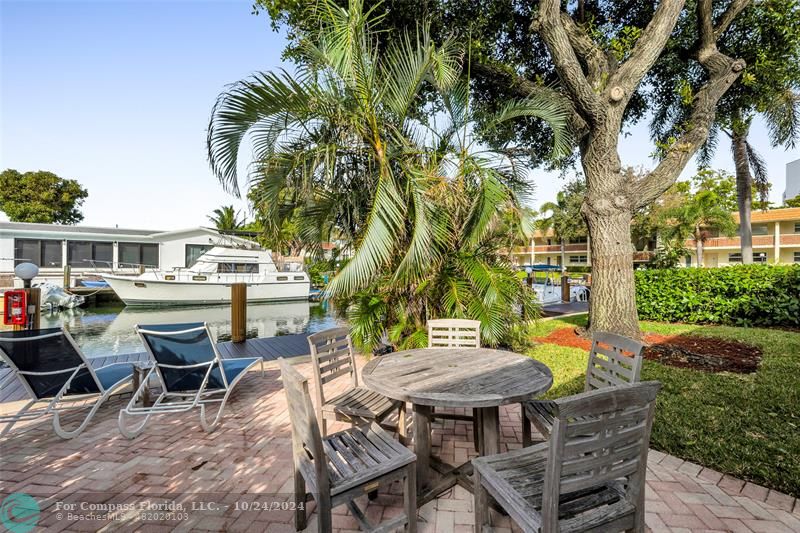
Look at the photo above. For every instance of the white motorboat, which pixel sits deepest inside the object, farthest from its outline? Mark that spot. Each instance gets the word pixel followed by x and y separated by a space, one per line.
pixel 209 280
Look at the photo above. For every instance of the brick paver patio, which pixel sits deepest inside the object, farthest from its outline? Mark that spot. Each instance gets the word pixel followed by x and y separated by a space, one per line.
pixel 239 477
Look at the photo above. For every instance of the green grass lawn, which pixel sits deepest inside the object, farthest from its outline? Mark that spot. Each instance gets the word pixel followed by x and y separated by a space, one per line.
pixel 744 425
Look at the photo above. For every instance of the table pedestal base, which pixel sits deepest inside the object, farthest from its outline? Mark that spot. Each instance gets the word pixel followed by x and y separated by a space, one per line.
pixel 427 489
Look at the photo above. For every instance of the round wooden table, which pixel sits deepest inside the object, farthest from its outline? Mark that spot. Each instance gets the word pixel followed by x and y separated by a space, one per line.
pixel 478 378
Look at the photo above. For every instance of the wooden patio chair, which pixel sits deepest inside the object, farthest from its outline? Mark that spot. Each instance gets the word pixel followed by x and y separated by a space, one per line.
pixel 589 476
pixel 457 333
pixel 341 467
pixel 613 360
pixel 333 357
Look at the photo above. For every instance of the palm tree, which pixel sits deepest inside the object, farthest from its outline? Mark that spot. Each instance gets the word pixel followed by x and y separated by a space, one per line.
pixel 697 218
pixel 342 144
pixel 226 218
pixel 565 218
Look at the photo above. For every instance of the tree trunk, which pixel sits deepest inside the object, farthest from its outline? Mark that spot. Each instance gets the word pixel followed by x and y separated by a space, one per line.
pixel 563 255
pixel 744 194
pixel 612 306
pixel 698 243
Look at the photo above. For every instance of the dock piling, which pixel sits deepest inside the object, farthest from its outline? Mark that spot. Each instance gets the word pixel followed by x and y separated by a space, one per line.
pixel 238 312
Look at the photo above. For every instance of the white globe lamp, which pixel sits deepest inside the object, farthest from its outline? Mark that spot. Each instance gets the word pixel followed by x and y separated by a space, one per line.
pixel 26 272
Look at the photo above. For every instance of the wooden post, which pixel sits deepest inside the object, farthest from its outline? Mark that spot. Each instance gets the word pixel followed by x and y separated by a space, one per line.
pixel 565 296
pixel 67 276
pixel 238 312
pixel 141 269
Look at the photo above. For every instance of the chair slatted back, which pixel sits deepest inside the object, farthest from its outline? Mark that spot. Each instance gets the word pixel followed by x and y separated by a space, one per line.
pixel 183 345
pixel 613 360
pixel 332 357
pixel 45 359
pixel 454 333
pixel 306 437
pixel 599 437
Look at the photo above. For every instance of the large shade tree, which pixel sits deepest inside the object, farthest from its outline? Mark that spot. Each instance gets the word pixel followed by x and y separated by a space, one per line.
pixel 341 146
pixel 40 196
pixel 593 57
pixel 767 36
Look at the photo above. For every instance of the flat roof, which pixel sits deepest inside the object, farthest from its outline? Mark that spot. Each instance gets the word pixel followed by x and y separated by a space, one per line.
pixel 30 226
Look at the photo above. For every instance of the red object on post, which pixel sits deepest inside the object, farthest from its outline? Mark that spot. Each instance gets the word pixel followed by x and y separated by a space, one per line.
pixel 15 309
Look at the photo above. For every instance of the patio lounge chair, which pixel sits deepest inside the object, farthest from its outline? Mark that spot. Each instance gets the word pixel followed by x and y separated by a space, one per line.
pixel 53 369
pixel 613 360
pixel 190 371
pixel 338 468
pixel 589 476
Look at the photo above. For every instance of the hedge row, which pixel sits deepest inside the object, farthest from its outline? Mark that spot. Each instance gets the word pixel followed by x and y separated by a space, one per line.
pixel 742 295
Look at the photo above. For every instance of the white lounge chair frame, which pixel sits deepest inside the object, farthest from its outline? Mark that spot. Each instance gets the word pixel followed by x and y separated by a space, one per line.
pixel 185 401
pixel 54 405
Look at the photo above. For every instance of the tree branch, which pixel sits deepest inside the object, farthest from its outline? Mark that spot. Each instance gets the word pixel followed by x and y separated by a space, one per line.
pixel 648 47
pixel 596 60
pixel 729 16
pixel 551 28
pixel 722 71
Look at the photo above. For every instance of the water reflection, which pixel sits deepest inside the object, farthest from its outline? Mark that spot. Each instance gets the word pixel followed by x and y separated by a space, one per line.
pixel 108 330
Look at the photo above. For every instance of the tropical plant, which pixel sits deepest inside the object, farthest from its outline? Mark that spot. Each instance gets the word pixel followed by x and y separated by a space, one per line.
pixel 565 219
pixel 342 144
pixel 698 218
pixel 226 218
pixel 597 59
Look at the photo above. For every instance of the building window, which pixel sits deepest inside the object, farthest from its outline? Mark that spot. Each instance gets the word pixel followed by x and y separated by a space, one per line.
pixel 85 254
pixel 237 268
pixel 758 257
pixel 797 257
pixel 134 254
pixel 578 240
pixel 797 227
pixel 41 252
pixel 760 229
pixel 194 251
pixel 688 260
pixel 577 259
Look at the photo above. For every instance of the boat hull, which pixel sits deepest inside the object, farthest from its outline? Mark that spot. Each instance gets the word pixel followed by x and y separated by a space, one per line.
pixel 135 291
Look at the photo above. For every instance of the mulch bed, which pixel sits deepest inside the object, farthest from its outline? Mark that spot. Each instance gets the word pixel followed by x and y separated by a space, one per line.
pixel 685 351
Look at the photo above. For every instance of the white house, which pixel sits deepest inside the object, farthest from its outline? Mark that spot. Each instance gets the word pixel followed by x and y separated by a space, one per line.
pixel 90 250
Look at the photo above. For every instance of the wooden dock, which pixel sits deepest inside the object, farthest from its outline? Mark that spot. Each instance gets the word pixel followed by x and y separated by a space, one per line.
pixel 269 349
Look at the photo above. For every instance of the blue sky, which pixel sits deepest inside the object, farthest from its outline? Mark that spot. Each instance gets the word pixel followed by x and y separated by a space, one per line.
pixel 117 95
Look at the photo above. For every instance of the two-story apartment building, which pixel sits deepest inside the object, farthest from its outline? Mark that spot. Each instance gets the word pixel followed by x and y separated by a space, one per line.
pixel 776 239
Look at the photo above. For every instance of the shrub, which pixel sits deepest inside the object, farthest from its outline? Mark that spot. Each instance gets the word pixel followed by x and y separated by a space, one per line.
pixel 743 295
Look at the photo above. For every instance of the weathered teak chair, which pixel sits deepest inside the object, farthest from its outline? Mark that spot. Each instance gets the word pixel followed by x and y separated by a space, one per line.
pixel 613 360
pixel 589 476
pixel 343 466
pixel 457 333
pixel 333 357
pixel 52 369
pixel 454 333
pixel 191 372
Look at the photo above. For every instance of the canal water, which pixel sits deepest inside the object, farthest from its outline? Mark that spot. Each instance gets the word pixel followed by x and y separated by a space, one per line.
pixel 102 331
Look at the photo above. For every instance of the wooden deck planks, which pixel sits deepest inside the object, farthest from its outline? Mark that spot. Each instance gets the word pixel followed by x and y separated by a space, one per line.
pixel 269 349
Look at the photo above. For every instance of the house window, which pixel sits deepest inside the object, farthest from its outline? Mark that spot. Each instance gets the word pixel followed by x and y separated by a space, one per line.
pixel 577 259
pixel 194 251
pixel 82 254
pixel 760 229
pixel 797 227
pixel 134 254
pixel 41 252
pixel 237 268
pixel 797 257
pixel 735 258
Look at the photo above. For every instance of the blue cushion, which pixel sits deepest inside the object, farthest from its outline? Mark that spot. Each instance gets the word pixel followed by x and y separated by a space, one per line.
pixel 234 367
pixel 113 374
